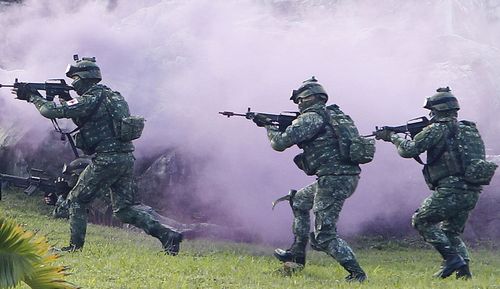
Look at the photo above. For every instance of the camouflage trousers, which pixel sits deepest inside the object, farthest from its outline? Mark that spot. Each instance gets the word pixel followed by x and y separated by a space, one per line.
pixel 441 218
pixel 110 172
pixel 325 197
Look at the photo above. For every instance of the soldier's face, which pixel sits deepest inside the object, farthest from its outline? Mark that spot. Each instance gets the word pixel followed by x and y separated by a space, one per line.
pixel 306 99
pixel 306 102
pixel 75 79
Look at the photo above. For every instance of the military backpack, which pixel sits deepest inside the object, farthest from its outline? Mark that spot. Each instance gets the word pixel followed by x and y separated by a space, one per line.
pixel 464 155
pixel 352 147
pixel 126 127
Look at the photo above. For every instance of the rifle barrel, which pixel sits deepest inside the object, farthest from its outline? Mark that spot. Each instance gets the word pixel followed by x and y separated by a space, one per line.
pixel 230 113
pixel 6 85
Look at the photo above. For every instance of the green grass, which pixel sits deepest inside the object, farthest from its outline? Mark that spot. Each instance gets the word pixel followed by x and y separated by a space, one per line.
pixel 116 258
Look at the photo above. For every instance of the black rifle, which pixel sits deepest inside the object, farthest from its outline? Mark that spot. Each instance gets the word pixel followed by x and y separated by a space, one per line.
pixel 412 127
pixel 32 183
pixel 52 88
pixel 283 120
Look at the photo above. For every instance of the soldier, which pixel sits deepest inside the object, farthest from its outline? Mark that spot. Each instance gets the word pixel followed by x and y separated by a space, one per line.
pixel 441 217
pixel 66 182
pixel 336 179
pixel 99 113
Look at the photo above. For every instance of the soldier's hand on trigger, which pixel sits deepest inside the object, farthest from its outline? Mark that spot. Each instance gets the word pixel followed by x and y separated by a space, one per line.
pixel 261 120
pixel 23 91
pixel 384 134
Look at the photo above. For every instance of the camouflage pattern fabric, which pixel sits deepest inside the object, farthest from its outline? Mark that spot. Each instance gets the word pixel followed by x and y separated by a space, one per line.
pixel 302 202
pixel 61 209
pixel 336 180
pixel 111 167
pixel 97 133
pixel 322 156
pixel 442 216
pixel 100 205
pixel 325 197
pixel 113 171
pixel 432 140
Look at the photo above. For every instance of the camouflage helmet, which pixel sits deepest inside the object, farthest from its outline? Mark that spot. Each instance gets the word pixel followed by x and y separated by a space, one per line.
pixel 309 87
pixel 76 167
pixel 85 68
pixel 443 100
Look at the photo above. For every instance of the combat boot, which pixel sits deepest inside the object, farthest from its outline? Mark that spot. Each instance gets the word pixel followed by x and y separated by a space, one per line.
pixel 290 256
pixel 464 272
pixel 296 253
pixel 171 242
pixel 440 271
pixel 452 261
pixel 71 248
pixel 356 274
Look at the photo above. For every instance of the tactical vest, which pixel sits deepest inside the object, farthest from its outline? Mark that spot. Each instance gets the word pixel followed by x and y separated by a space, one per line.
pixel 322 154
pixel 97 133
pixel 460 153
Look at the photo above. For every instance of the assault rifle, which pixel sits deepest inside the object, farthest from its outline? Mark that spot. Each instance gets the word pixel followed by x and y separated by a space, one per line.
pixel 283 120
pixel 52 88
pixel 411 128
pixel 32 183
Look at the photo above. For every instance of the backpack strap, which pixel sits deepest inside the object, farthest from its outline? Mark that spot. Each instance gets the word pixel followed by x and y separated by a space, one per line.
pixel 448 145
pixel 332 122
pixel 87 119
pixel 321 130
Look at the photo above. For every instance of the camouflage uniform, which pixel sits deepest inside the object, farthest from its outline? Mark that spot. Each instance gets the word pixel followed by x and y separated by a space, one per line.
pixel 111 167
pixel 442 216
pixel 336 181
pixel 450 145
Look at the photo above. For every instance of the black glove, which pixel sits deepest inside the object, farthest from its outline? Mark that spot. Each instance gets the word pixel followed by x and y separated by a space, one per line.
pixel 50 199
pixel 24 91
pixel 384 134
pixel 261 120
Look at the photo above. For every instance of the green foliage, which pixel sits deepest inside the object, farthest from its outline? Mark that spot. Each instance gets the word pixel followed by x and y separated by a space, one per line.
pixel 16 254
pixel 25 257
pixel 117 259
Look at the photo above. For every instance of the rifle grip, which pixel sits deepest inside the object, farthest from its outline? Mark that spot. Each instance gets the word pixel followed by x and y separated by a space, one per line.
pixel 30 190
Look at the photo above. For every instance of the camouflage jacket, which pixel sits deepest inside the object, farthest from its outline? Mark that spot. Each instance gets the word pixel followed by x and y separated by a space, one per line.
pixel 321 149
pixel 97 132
pixel 432 139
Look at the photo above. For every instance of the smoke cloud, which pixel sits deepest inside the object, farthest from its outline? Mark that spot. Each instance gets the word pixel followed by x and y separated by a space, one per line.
pixel 180 62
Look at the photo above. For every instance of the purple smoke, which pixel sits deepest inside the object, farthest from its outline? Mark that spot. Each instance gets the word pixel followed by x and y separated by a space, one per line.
pixel 180 62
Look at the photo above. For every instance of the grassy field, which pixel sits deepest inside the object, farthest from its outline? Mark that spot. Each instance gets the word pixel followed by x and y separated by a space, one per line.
pixel 116 258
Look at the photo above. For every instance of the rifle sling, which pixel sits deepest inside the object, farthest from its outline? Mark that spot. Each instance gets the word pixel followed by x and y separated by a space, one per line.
pixel 85 120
